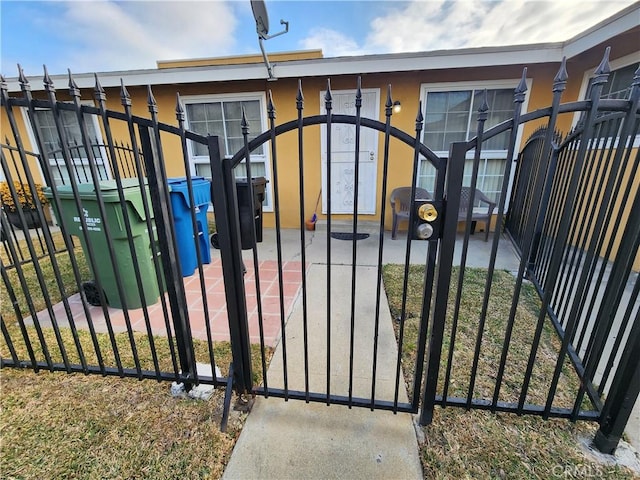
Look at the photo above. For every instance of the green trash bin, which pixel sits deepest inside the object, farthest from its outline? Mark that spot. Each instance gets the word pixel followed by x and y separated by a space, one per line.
pixel 96 235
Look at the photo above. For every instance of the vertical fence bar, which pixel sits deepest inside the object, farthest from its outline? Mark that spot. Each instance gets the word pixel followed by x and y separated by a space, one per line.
pixel 482 117
pixel 623 327
pixel 455 172
pixel 546 195
pixel 12 296
pixel 180 116
pixel 244 125
pixel 358 105
pixel 427 293
pixel 407 258
pixel 388 109
pixel 328 108
pixel 622 395
pixel 7 339
pixel 303 249
pixel 74 91
pixel 168 250
pixel 271 112
pixel 141 168
pixel 101 98
pixel 519 96
pixel 225 203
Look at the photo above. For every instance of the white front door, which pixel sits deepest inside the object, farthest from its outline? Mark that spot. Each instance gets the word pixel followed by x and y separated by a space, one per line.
pixel 343 165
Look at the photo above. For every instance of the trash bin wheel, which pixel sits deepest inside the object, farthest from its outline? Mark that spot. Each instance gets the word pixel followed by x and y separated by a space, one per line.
pixel 214 241
pixel 91 293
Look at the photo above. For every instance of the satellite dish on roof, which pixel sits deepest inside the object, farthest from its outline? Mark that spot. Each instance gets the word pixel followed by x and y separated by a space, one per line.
pixel 262 28
pixel 262 18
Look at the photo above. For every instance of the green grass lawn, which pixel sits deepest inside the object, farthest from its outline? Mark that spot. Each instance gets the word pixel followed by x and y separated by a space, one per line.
pixel 59 425
pixel 56 425
pixel 479 444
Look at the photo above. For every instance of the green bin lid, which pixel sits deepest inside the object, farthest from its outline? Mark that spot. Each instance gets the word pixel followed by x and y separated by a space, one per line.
pixel 108 190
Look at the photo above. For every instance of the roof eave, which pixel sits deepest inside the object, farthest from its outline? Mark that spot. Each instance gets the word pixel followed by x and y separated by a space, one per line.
pixel 383 63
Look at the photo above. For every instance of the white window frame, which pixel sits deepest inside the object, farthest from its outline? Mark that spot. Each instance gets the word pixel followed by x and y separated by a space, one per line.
pixel 234 97
pixel 616 64
pixel 79 160
pixel 511 84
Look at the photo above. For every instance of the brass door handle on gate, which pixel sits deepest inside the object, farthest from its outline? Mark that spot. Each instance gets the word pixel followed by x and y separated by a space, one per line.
pixel 427 212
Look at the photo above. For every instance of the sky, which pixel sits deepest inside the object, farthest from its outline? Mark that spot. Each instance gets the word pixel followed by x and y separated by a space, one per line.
pixel 108 35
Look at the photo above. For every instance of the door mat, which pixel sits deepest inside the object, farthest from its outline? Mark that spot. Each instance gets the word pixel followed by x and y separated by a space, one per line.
pixel 349 235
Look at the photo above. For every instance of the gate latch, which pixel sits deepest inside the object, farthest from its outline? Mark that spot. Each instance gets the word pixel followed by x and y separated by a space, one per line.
pixel 428 215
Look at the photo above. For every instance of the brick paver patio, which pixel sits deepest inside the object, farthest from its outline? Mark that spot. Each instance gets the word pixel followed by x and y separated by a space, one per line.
pixel 215 305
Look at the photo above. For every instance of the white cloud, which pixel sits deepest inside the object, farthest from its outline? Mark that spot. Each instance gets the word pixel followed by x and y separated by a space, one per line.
pixel 332 43
pixel 107 35
pixel 437 24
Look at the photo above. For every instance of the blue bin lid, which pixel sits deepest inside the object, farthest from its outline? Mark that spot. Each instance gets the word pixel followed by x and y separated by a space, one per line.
pixel 201 189
pixel 177 180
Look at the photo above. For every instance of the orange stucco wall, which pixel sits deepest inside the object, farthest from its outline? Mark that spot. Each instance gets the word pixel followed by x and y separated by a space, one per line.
pixel 405 88
pixel 14 162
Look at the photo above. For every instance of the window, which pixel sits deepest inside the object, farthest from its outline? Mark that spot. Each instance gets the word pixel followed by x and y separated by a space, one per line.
pixel 451 114
pixel 617 87
pixel 619 84
pixel 221 115
pixel 53 149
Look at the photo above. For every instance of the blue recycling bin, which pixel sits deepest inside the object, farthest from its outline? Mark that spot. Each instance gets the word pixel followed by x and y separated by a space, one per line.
pixel 179 193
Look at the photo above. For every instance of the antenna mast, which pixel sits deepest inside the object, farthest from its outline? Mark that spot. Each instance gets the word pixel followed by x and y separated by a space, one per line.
pixel 262 28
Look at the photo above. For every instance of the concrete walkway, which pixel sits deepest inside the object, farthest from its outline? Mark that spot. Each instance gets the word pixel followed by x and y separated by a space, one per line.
pixel 305 441
pixel 298 440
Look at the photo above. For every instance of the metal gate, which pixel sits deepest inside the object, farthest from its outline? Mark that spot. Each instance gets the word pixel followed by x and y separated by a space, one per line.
pixel 556 175
pixel 345 320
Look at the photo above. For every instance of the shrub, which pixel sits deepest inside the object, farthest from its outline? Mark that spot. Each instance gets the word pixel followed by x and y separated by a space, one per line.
pixel 26 199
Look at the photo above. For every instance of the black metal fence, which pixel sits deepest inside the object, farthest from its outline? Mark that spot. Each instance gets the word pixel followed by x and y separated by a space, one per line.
pixel 128 261
pixel 582 246
pixel 572 218
pixel 574 264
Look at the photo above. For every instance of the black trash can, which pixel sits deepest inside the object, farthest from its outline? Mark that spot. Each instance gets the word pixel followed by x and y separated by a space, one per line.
pixel 246 214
